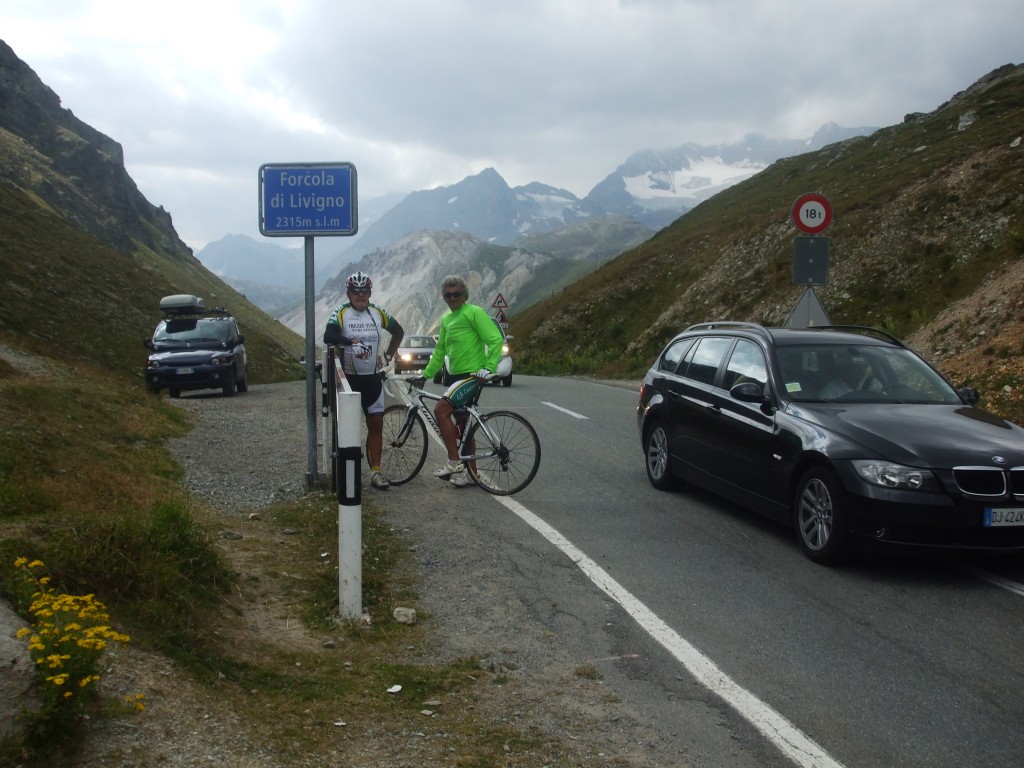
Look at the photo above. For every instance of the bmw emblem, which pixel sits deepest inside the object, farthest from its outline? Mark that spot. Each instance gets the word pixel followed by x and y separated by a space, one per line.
pixel 998 459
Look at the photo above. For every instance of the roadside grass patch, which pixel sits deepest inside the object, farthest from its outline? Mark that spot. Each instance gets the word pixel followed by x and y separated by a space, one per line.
pixel 325 683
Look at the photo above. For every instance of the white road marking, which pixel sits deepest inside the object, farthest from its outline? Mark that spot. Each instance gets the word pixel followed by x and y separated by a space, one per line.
pixel 793 743
pixel 565 410
pixel 999 581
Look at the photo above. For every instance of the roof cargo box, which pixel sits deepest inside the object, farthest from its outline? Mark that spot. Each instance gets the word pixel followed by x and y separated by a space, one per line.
pixel 182 304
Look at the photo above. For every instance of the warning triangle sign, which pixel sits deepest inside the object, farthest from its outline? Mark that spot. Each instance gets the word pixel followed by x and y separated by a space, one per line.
pixel 499 302
pixel 808 312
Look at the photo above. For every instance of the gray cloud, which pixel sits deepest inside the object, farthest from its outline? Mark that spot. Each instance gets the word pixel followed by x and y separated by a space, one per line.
pixel 422 94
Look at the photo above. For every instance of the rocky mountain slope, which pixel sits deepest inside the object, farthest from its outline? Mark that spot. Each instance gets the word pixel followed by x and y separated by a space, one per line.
pixel 407 277
pixel 82 248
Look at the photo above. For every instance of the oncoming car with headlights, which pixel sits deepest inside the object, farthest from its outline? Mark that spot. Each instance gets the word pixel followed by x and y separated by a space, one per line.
pixel 414 353
pixel 195 348
pixel 842 432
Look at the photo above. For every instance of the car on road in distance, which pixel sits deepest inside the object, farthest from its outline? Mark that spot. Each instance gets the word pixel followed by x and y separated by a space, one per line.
pixel 414 353
pixel 195 348
pixel 504 369
pixel 841 432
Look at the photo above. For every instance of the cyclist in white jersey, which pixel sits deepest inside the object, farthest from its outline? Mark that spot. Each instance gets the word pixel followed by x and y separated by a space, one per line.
pixel 355 327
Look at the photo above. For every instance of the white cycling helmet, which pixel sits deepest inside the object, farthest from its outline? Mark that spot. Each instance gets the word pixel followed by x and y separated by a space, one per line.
pixel 359 281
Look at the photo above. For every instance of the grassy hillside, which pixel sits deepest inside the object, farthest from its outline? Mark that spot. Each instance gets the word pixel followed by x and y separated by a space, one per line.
pixel 928 219
pixel 86 485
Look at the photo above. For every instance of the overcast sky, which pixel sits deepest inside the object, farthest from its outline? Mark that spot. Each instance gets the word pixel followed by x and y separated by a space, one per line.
pixel 422 93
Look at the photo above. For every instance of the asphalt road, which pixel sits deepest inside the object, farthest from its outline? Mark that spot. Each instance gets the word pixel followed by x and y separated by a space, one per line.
pixel 893 660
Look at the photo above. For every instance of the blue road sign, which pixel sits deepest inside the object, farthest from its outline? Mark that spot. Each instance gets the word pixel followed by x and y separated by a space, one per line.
pixel 308 199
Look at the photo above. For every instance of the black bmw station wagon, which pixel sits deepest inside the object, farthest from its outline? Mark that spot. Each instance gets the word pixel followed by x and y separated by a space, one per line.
pixel 838 431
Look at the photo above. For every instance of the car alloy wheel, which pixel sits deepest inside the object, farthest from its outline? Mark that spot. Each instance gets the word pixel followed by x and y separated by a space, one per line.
pixel 657 463
pixel 819 517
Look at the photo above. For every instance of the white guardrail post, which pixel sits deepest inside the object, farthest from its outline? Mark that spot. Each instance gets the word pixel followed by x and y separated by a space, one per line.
pixel 350 511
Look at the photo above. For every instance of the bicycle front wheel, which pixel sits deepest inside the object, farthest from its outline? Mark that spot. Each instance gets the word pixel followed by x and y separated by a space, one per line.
pixel 507 452
pixel 405 444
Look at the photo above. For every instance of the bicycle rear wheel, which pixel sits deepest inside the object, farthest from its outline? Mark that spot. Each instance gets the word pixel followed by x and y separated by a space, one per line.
pixel 405 444
pixel 508 463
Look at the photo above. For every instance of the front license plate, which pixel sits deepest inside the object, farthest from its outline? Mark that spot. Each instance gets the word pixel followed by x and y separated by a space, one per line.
pixel 185 371
pixel 999 516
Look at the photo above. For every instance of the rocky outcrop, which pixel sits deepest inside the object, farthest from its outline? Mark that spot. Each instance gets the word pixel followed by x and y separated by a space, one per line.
pixel 78 171
pixel 18 693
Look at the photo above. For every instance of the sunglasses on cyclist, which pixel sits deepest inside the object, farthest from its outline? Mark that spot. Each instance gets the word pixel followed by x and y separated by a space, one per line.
pixel 359 291
pixel 452 294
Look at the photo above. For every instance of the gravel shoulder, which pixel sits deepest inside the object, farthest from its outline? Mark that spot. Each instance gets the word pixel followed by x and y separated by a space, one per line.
pixel 248 452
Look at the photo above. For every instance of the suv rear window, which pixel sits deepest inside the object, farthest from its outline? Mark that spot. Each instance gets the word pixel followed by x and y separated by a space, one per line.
pixel 706 358
pixel 675 352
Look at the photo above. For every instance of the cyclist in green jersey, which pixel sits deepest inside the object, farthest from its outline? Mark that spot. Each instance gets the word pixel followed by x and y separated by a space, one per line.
pixel 472 343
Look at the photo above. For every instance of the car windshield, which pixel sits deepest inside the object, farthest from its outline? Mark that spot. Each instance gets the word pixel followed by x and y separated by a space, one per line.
pixel 192 329
pixel 418 342
pixel 860 374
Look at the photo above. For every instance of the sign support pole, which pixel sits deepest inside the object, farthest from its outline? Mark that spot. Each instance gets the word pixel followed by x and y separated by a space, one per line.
pixel 311 377
pixel 306 200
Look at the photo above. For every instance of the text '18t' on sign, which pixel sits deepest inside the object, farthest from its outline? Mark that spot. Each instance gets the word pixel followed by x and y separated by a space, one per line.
pixel 308 199
pixel 812 213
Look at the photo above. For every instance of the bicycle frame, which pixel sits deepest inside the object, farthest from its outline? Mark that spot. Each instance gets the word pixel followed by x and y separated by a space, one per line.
pixel 415 397
pixel 499 449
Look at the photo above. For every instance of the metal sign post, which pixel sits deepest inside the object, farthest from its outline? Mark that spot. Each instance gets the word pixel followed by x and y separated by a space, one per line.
pixel 307 200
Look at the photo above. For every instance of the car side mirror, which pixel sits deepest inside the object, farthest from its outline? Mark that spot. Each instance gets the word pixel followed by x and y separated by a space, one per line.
pixel 752 392
pixel 510 338
pixel 969 395
pixel 147 343
pixel 241 339
pixel 748 392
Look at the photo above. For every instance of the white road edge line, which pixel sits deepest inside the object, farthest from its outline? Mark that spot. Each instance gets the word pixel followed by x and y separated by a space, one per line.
pixel 793 743
pixel 565 410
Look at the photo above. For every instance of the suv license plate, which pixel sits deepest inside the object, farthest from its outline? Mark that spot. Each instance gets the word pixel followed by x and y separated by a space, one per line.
pixel 996 516
pixel 189 371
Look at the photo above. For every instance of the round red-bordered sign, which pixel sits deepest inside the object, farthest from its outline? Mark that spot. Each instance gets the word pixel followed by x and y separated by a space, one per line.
pixel 812 213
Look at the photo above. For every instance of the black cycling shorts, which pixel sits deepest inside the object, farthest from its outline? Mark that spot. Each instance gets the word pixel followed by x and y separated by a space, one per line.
pixel 370 389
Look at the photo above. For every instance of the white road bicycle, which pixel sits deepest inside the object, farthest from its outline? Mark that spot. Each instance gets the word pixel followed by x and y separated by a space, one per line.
pixel 500 449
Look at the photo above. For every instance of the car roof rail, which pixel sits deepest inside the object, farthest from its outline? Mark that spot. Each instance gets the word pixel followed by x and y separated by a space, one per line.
pixel 732 325
pixel 864 330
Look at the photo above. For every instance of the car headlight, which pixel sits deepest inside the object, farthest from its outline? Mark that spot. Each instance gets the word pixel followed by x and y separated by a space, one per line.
pixel 221 359
pixel 405 356
pixel 890 475
pixel 504 349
